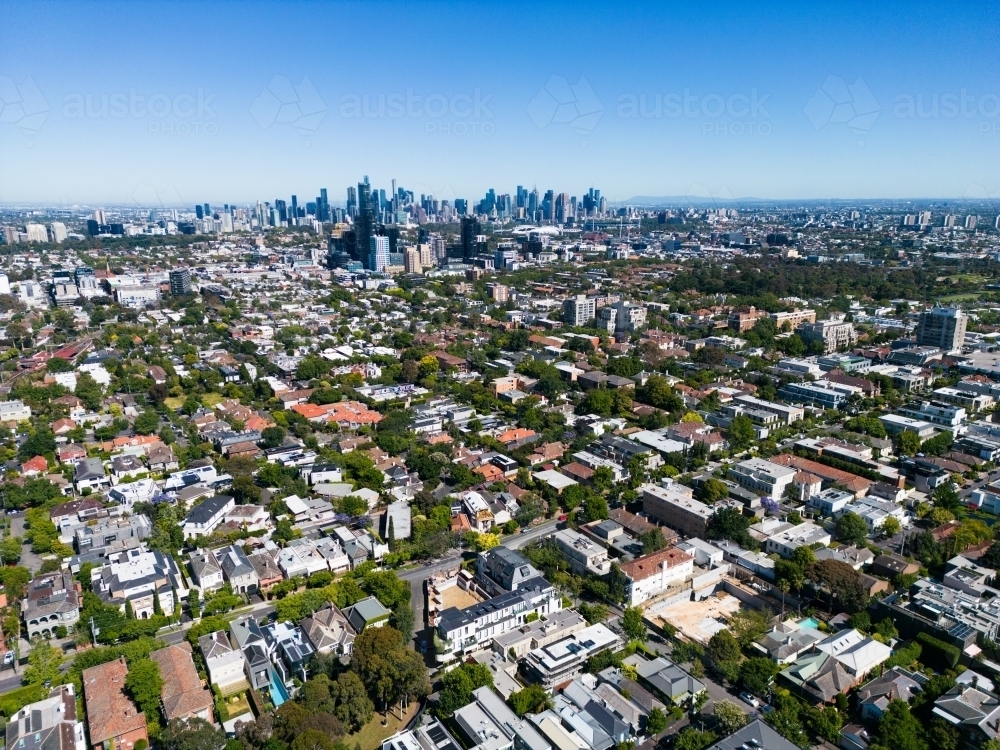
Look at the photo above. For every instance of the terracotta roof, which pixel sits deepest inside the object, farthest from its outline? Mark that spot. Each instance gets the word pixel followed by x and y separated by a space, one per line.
pixel 183 694
pixel 650 565
pixel 110 712
pixel 852 482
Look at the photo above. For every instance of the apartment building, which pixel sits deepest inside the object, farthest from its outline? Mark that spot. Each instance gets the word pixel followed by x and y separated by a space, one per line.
pixel 762 476
pixel 674 505
pixel 585 556
pixel 651 575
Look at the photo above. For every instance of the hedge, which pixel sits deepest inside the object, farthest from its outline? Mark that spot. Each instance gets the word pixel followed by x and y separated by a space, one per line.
pixel 937 653
pixel 15 700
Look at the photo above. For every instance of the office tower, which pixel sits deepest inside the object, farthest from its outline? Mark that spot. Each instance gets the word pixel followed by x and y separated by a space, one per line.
pixel 563 208
pixel 971 221
pixel 924 218
pixel 948 221
pixel 58 230
pixel 99 215
pixel 281 209
pixel 533 204
pixel 36 233
pixel 522 197
pixel 578 310
pixel 199 212
pixel 352 202
pixel 364 223
pixel 10 234
pixel 909 220
pixel 411 261
pixel 943 327
pixel 378 257
pixel 426 257
pixel 323 204
pixel 180 282
pixel 208 211
pixel 470 230
pixel 461 206
pixel 996 223
pixel 548 205
pixel 93 229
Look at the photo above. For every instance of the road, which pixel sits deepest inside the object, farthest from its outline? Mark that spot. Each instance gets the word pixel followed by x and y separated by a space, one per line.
pixel 516 541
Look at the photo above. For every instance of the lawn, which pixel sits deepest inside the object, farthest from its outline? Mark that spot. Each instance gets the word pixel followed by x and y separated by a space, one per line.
pixel 211 399
pixel 960 297
pixel 174 402
pixel 371 735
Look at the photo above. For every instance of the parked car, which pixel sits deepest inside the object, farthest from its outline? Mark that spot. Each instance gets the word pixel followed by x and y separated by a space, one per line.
pixel 748 698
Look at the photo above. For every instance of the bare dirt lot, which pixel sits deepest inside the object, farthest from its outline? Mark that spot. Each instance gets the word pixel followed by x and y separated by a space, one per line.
pixel 698 621
pixel 456 597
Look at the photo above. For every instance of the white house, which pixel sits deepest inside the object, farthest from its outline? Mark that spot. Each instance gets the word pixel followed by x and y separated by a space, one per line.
pixel 205 517
pixel 225 663
pixel 130 493
pixel 804 535
pixel 857 653
pixel 651 575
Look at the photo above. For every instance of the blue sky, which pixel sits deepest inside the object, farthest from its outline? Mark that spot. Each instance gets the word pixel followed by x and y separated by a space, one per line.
pixel 289 99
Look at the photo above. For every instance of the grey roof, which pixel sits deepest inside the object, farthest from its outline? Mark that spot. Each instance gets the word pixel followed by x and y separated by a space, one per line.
pixel 669 679
pixel 215 644
pixel 366 611
pixel 453 618
pixel 203 512
pixel 755 734
pixel 89 468
pixel 234 562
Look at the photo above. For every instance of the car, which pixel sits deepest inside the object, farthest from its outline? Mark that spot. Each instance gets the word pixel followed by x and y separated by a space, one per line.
pixel 767 709
pixel 8 658
pixel 748 698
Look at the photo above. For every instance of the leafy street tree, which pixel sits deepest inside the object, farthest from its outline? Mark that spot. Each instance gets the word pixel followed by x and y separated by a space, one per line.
pixel 632 624
pixel 852 529
pixel 389 670
pixel 741 433
pixel 693 739
pixel 656 722
pixel 43 664
pixel 730 716
pixel 748 624
pixel 756 674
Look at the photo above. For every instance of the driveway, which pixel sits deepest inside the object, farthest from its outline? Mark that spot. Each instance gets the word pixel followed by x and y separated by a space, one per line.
pixel 28 558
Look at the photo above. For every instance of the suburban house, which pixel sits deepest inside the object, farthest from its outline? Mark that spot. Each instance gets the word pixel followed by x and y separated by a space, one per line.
pixel 248 636
pixel 48 724
pixel 236 567
pixel 329 631
pixel 205 517
pixel 225 664
pixel 368 613
pixel 112 718
pixel 205 570
pixel 53 600
pixel 182 695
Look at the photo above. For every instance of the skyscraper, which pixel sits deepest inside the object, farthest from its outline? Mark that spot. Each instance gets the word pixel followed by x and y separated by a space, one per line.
pixel 180 282
pixel 364 223
pixel 943 327
pixel 378 257
pixel 470 229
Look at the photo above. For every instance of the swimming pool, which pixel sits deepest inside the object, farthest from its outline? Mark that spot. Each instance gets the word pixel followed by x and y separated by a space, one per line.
pixel 809 622
pixel 277 689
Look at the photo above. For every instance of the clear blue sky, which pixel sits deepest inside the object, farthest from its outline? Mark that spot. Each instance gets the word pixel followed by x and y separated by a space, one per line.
pixel 536 124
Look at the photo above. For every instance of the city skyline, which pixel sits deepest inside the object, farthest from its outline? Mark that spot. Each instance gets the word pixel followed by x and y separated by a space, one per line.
pixel 729 103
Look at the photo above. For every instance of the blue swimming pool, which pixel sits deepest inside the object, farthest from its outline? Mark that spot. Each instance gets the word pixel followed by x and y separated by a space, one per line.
pixel 277 689
pixel 809 622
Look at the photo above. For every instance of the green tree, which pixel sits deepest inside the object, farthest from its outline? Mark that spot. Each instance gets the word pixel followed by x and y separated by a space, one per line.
pixel 43 664
pixel 143 683
pixel 741 433
pixel 147 422
pixel 192 734
pixel 899 729
pixel 10 550
pixel 530 700
pixel 712 490
pixel 731 717
pixel 723 647
pixel 693 739
pixel 756 674
pixel 89 391
pixel 272 437
pixel 852 529
pixel 908 443
pixel 458 684
pixel 656 722
pixel 632 624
